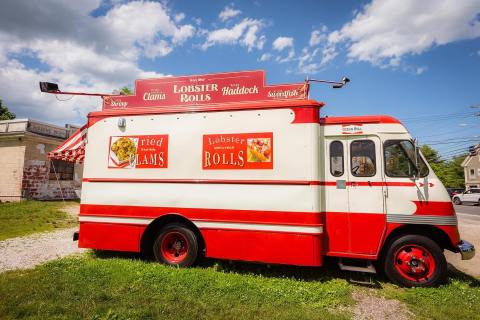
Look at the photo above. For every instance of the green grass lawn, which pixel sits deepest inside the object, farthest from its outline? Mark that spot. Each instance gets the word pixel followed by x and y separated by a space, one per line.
pixel 460 299
pixel 103 286
pixel 26 217
pixel 88 287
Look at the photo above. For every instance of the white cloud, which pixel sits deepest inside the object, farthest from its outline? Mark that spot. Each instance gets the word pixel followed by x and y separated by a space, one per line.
pixel 383 32
pixel 159 49
pixel 144 21
pixel 265 57
pixel 179 17
pixel 244 33
pixel 317 36
pixel 282 43
pixel 79 51
pixel 421 70
pixel 228 12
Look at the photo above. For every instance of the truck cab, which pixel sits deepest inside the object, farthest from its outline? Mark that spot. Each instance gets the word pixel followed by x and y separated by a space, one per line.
pixel 383 201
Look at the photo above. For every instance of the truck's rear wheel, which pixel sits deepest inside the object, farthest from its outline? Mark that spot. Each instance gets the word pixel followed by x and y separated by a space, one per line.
pixel 415 261
pixel 176 245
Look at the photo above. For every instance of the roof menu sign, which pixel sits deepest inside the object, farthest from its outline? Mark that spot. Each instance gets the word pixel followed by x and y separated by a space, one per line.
pixel 205 89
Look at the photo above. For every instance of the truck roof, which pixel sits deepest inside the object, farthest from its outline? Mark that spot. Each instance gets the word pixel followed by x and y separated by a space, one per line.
pixel 373 119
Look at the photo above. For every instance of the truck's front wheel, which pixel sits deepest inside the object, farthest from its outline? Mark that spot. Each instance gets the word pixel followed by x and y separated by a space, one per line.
pixel 176 245
pixel 415 261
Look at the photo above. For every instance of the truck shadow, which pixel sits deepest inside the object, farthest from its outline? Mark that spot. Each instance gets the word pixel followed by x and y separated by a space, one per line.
pixel 328 272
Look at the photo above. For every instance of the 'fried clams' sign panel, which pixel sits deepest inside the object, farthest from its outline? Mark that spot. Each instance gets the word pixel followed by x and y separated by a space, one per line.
pixel 205 89
pixel 237 151
pixel 138 152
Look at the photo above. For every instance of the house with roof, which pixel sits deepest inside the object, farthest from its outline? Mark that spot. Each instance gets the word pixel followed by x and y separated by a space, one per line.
pixel 26 171
pixel 471 167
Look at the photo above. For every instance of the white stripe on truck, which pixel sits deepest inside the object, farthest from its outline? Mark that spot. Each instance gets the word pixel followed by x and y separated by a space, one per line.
pixel 211 225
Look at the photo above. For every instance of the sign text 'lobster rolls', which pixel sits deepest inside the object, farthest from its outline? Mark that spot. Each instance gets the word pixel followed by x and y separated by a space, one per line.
pixel 138 152
pixel 237 151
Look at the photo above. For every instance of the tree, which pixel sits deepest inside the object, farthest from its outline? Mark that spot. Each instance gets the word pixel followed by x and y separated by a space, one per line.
pixel 430 154
pixel 5 114
pixel 450 172
pixel 126 91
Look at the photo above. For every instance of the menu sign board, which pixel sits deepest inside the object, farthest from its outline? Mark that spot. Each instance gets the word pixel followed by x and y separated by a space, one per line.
pixel 205 89
pixel 237 151
pixel 138 152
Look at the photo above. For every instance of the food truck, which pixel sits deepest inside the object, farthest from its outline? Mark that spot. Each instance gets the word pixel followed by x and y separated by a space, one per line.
pixel 227 167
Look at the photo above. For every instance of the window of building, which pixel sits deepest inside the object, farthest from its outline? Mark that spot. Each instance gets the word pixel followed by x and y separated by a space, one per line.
pixel 400 159
pixel 362 159
pixel 336 158
pixel 63 170
pixel 472 173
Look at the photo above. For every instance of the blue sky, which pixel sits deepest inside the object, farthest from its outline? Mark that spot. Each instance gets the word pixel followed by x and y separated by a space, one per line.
pixel 416 60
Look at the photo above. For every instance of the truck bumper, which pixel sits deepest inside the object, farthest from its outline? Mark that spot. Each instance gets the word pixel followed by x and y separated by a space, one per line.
pixel 466 249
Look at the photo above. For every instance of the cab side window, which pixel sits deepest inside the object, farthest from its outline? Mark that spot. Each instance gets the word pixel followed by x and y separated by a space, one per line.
pixel 400 159
pixel 336 158
pixel 362 161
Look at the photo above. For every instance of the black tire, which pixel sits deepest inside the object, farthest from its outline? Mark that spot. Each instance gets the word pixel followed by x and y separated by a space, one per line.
pixel 176 245
pixel 457 201
pixel 428 271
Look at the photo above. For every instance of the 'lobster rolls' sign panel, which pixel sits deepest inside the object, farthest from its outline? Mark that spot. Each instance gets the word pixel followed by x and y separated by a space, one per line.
pixel 205 89
pixel 237 151
pixel 138 152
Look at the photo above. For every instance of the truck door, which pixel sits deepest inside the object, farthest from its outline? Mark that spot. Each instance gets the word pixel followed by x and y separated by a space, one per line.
pixel 336 195
pixel 365 194
pixel 404 192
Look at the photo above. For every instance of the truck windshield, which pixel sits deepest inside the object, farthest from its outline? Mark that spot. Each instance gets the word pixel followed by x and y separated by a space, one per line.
pixel 400 159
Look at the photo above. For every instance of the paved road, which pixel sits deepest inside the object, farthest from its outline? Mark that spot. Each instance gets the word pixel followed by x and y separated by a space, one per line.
pixel 468 209
pixel 469 226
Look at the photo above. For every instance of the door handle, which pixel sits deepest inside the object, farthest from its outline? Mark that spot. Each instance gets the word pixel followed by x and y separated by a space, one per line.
pixel 353 184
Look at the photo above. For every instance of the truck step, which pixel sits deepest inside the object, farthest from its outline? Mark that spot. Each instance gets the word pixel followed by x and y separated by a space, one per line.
pixel 368 268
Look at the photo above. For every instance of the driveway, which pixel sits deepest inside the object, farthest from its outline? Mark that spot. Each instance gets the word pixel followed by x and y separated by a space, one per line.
pixel 27 252
pixel 469 225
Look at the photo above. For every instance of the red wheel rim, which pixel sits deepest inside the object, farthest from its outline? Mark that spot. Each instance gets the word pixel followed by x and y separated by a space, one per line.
pixel 174 247
pixel 414 263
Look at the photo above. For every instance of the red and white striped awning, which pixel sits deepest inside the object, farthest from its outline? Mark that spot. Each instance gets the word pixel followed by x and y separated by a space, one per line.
pixel 73 149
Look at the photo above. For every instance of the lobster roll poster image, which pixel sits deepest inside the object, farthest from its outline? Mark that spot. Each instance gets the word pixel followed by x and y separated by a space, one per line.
pixel 138 152
pixel 237 151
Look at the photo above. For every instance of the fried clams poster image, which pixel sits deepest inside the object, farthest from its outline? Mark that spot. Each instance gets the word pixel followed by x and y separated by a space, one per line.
pixel 138 152
pixel 237 151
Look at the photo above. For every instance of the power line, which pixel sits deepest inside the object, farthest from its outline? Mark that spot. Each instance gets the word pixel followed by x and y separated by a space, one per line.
pixel 438 116
pixel 455 138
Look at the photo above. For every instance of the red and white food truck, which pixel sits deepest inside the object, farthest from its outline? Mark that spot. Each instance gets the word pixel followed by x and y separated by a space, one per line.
pixel 224 166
